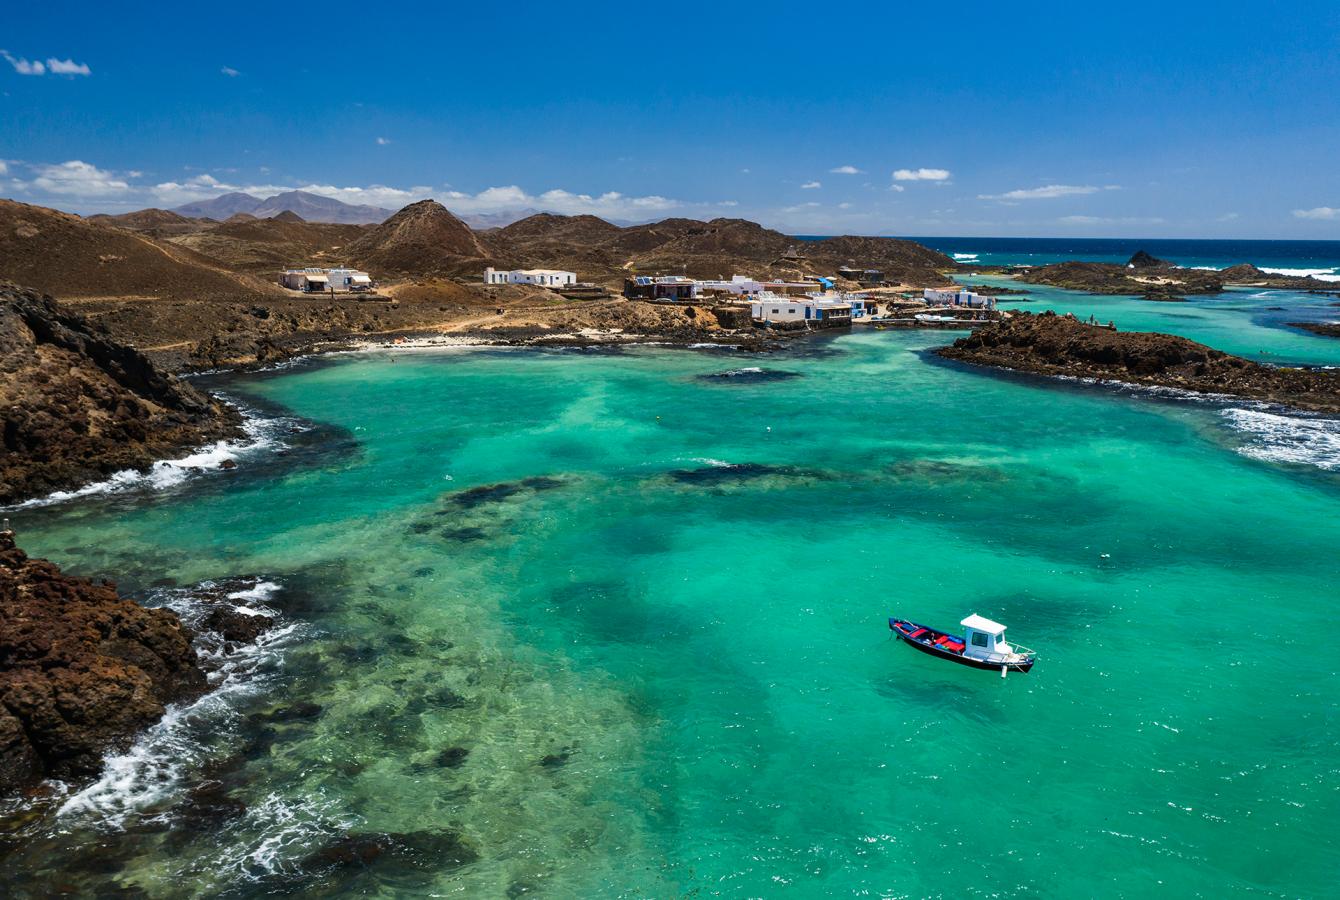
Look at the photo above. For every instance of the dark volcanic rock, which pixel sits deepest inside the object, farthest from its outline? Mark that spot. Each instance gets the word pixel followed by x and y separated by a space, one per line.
pixel 1329 329
pixel 1143 260
pixel 421 850
pixel 1049 344
pixel 76 406
pixel 81 670
pixel 714 476
pixel 1159 281
pixel 452 757
pixel 750 375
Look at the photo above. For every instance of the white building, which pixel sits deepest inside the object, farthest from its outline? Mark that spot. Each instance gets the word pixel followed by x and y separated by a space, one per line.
pixel 825 308
pixel 543 277
pixel 957 297
pixel 744 286
pixel 314 280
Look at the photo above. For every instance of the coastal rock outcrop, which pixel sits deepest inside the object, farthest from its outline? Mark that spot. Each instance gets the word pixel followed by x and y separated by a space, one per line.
pixel 76 406
pixel 1157 279
pixel 82 670
pixel 1048 344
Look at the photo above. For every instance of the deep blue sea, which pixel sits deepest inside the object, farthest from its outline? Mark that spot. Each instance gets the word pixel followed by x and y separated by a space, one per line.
pixel 1318 258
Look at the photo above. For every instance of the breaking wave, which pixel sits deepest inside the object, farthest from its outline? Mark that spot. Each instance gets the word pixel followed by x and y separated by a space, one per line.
pixel 1288 439
pixel 137 783
pixel 1332 274
pixel 261 434
pixel 965 257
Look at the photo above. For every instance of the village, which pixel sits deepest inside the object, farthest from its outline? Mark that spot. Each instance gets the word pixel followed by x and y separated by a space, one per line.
pixel 813 302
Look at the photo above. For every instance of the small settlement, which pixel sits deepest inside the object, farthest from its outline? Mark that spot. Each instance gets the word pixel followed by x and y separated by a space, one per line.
pixel 814 302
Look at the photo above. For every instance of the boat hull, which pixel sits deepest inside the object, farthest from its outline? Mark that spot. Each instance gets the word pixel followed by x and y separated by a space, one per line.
pixel 930 648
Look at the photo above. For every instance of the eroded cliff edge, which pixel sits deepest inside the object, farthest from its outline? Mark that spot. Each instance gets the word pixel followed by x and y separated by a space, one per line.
pixel 76 406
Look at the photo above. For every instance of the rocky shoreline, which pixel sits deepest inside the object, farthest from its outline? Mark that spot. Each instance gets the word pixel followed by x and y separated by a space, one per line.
pixel 1048 344
pixel 1155 279
pixel 1326 329
pixel 77 406
pixel 82 670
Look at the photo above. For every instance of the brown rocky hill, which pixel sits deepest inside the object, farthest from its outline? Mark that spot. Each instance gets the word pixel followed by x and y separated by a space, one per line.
pixel 422 239
pixel 70 256
pixel 1048 344
pixel 151 221
pixel 718 248
pixel 265 246
pixel 81 670
pixel 75 406
pixel 288 215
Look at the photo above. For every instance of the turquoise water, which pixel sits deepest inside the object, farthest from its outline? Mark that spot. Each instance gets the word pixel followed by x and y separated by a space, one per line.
pixel 673 678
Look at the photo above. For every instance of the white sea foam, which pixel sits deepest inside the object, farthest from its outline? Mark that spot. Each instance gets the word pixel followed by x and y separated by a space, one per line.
pixel 261 434
pixel 965 256
pixel 1319 274
pixel 1273 437
pixel 135 782
pixel 285 828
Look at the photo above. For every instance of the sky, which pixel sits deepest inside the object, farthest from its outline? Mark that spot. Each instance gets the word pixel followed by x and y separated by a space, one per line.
pixel 1172 119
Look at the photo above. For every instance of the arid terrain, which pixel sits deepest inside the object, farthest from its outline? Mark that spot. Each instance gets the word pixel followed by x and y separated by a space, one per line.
pixel 194 293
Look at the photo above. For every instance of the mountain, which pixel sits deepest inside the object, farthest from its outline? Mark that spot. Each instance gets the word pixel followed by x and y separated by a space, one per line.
pixel 314 208
pixel 423 238
pixel 310 207
pixel 220 207
pixel 66 255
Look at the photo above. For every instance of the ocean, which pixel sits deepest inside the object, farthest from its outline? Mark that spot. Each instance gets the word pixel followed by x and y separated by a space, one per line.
pixel 1321 259
pixel 615 623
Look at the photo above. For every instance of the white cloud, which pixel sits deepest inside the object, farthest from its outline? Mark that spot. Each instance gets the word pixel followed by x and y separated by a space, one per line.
pixel 1229 217
pixel 844 206
pixel 382 142
pixel 230 71
pixel 23 66
pixel 810 185
pixel 4 167
pixel 1049 192
pixel 1318 212
pixel 89 188
pixel 53 65
pixel 722 203
pixel 76 179
pixel 897 188
pixel 67 67
pixel 846 170
pixel 1107 220
pixel 921 175
pixel 800 207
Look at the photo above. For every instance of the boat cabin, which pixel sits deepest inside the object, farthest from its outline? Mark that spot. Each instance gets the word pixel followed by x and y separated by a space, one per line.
pixel 983 638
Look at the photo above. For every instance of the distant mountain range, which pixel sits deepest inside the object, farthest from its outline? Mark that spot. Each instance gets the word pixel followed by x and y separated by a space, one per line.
pixel 311 207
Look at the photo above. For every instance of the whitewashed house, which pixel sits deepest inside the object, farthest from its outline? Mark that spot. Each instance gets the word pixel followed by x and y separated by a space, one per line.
pixel 957 297
pixel 822 309
pixel 549 278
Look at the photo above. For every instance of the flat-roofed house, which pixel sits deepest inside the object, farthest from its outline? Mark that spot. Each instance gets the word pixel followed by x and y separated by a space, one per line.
pixel 824 311
pixel 549 278
pixel 660 287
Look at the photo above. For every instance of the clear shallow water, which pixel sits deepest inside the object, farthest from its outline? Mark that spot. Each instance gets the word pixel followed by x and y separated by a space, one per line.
pixel 671 678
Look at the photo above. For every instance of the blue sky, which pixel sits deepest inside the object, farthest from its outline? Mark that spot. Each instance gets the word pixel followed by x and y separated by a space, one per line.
pixel 1173 119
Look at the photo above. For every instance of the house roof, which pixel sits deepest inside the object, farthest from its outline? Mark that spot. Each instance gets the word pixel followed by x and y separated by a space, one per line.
pixel 978 623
